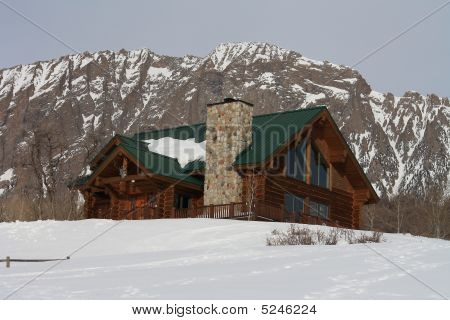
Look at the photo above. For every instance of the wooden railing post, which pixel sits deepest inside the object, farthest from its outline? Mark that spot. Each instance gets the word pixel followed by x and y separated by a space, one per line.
pixel 256 209
pixel 8 261
pixel 231 211
pixel 211 211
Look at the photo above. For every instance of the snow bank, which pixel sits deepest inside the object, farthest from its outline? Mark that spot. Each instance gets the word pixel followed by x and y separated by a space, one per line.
pixel 184 151
pixel 213 259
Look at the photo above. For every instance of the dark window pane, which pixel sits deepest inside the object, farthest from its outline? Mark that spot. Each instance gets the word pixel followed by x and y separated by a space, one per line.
pixel 301 157
pixel 313 208
pixel 296 162
pixel 290 170
pixel 314 167
pixel 185 202
pixel 293 203
pixel 177 201
pixel 181 202
pixel 298 204
pixel 288 203
pixel 318 209
pixel 323 211
pixel 323 175
pixel 319 171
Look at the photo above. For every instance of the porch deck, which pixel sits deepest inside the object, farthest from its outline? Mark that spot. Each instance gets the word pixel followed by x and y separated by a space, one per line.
pixel 258 211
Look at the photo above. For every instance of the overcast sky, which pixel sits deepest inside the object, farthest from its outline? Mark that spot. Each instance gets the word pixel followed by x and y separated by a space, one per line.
pixel 339 31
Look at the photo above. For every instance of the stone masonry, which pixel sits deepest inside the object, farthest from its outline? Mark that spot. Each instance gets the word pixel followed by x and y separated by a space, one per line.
pixel 228 132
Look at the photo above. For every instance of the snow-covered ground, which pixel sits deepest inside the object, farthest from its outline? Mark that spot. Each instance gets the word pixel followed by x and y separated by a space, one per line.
pixel 213 259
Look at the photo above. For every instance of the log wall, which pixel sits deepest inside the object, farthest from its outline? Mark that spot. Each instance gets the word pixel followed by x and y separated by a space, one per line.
pixel 340 202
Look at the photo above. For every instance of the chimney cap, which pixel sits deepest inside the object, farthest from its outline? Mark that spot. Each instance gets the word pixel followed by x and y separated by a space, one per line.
pixel 228 100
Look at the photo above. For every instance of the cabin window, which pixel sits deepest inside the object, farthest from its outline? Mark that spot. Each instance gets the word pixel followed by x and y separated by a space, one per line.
pixel 181 201
pixel 319 169
pixel 318 209
pixel 295 167
pixel 293 203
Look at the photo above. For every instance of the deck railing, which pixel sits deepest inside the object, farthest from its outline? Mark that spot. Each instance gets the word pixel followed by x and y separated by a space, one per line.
pixel 258 211
pixel 221 211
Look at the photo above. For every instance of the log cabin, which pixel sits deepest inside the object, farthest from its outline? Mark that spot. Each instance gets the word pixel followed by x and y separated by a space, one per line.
pixel 289 166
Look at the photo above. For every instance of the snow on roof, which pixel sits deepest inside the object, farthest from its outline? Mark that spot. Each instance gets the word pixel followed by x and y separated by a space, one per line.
pixel 184 151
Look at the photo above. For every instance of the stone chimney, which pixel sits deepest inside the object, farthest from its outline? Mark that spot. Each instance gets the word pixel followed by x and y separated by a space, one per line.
pixel 228 133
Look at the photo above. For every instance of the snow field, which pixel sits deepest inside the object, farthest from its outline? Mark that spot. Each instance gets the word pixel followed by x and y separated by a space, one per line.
pixel 213 259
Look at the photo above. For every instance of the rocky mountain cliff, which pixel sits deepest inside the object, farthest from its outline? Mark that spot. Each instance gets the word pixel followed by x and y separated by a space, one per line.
pixel 82 100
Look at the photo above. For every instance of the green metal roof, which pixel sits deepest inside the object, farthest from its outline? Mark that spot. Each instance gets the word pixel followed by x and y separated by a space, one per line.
pixel 270 131
pixel 195 165
pixel 156 162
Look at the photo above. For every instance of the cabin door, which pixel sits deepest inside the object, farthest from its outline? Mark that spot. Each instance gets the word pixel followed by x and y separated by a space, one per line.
pixel 293 207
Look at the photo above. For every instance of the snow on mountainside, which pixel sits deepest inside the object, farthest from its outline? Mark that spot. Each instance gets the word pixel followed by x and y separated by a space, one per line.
pixel 214 259
pixel 401 142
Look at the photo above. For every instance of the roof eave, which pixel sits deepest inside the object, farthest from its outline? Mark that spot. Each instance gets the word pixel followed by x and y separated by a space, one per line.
pixel 373 194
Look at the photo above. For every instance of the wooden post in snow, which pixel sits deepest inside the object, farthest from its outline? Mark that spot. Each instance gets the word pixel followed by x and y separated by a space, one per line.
pixel 8 261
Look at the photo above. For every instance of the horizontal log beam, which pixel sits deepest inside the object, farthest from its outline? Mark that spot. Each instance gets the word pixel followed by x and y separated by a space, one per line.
pixel 96 189
pixel 338 156
pixel 110 180
pixel 362 195
pixel 114 194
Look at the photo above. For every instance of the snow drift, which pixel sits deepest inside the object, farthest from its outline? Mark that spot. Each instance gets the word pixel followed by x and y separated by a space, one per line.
pixel 213 259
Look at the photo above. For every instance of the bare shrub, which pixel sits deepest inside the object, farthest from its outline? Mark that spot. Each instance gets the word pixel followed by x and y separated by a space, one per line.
pixel 348 235
pixel 332 237
pixel 321 236
pixel 293 236
pixel 296 235
pixel 374 237
pixel 328 238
